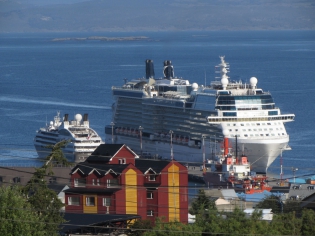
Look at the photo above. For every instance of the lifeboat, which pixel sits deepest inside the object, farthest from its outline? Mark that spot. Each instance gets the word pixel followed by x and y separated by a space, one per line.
pixel 186 141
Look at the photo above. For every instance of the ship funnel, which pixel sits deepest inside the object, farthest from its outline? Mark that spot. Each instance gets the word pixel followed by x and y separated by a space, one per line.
pixel 85 117
pixel 66 117
pixel 168 70
pixel 149 69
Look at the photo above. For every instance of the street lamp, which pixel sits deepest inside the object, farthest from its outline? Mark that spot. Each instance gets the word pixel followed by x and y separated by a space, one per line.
pixel 171 133
pixel 281 170
pixel 140 130
pixel 112 124
pixel 294 169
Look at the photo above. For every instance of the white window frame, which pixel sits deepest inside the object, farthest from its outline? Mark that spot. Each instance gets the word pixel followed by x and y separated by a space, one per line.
pixel 150 213
pixel 107 200
pixel 78 183
pixel 152 177
pixel 88 201
pixel 149 195
pixel 122 161
pixel 73 203
pixel 112 183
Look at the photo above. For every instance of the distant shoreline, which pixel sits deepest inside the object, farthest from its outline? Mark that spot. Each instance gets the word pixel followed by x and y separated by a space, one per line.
pixel 131 38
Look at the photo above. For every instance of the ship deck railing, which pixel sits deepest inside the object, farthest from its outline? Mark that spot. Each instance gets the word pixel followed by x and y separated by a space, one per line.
pixel 126 88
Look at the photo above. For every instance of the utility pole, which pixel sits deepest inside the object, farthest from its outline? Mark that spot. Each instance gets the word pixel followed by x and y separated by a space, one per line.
pixel 112 124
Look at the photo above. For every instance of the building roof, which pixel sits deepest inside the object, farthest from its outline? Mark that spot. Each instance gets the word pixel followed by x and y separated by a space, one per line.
pixel 301 191
pixel 105 152
pixel 229 194
pixel 76 221
pixel 86 168
pixel 309 201
pixel 280 189
pixel 156 165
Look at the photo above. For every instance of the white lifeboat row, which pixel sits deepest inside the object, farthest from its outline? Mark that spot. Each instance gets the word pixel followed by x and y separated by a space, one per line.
pixel 176 138
pixel 127 131
pixel 156 136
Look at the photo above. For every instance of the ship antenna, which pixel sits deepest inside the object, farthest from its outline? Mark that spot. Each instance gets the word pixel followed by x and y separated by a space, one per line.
pixel 224 69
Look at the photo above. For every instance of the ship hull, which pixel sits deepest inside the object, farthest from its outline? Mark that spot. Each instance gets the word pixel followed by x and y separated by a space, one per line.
pixel 260 153
pixel 69 153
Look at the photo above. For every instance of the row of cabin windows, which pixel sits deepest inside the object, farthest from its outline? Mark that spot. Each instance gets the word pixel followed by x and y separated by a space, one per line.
pixel 265 129
pixel 89 201
pixel 256 135
pixel 81 182
pixel 255 124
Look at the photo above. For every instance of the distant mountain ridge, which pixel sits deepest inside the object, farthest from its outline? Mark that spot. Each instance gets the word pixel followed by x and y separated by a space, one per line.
pixel 151 15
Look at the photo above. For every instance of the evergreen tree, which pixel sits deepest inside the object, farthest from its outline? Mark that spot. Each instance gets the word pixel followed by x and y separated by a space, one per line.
pixel 173 229
pixel 308 222
pixel 201 202
pixel 17 215
pixel 43 199
pixel 273 202
pixel 140 227
pixel 285 224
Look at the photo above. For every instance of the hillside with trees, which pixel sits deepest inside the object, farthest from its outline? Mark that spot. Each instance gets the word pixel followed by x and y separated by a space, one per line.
pixel 163 15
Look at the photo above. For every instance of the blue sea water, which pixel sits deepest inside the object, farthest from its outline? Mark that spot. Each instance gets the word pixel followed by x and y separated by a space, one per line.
pixel 39 77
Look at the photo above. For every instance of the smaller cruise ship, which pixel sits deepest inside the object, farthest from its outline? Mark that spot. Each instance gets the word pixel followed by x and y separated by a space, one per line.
pixel 83 140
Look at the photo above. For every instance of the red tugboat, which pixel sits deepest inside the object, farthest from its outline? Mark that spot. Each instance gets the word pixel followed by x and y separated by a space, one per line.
pixel 256 184
pixel 236 171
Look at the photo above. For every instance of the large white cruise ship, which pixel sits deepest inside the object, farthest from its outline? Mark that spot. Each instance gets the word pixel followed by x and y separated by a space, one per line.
pixel 83 140
pixel 146 111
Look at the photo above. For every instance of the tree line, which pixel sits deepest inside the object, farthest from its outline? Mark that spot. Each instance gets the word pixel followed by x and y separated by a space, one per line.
pixel 288 219
pixel 33 209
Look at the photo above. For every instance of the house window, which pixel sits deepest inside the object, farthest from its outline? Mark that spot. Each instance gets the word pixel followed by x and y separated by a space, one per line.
pixel 151 177
pixel 106 201
pixel 122 161
pixel 112 183
pixel 74 201
pixel 149 212
pixel 16 180
pixel 1 179
pixel 98 182
pixel 80 182
pixel 93 181
pixel 149 195
pixel 90 201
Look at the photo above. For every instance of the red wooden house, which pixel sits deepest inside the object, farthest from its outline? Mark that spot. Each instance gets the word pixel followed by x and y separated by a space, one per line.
pixel 114 180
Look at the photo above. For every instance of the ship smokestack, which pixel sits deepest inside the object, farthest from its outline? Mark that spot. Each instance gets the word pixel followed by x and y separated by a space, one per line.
pixel 226 146
pixel 168 70
pixel 85 117
pixel 66 117
pixel 149 69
